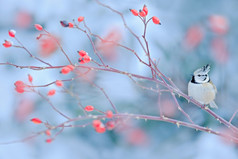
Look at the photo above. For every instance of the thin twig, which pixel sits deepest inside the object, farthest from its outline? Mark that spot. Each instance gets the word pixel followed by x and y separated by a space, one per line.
pixel 31 55
pixel 60 46
pixel 51 104
pixel 103 91
pixel 233 116
pixel 124 22
pixel 90 39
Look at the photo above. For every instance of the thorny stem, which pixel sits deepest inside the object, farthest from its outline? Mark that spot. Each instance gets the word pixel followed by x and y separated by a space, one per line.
pixel 124 116
pixel 177 91
pixel 48 84
pixel 147 45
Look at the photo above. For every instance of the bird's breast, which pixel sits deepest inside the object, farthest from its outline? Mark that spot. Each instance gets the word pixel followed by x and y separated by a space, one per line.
pixel 204 93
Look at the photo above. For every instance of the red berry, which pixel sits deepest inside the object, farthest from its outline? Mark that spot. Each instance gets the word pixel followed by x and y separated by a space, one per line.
pixel 156 20
pixel 48 133
pixel 71 25
pixel 142 13
pixel 109 114
pixel 219 24
pixel 87 58
pixel 89 108
pixel 81 60
pixel 30 79
pixel 59 83
pixel 38 27
pixel 51 92
pixel 19 83
pixel 110 125
pixel 36 120
pixel 65 70
pixel 82 53
pixel 20 90
pixel 145 9
pixel 100 129
pixel 134 12
pixel 48 140
pixel 80 19
pixel 71 67
pixel 12 33
pixel 84 57
pixel 7 44
pixel 96 123
pixel 19 86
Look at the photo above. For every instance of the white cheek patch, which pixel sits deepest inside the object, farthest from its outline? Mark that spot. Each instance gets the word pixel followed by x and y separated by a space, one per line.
pixel 201 78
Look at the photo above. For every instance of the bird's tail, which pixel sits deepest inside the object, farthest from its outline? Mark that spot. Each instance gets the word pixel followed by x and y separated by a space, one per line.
pixel 213 105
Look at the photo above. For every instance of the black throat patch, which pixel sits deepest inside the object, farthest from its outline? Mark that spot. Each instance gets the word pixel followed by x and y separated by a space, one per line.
pixel 193 80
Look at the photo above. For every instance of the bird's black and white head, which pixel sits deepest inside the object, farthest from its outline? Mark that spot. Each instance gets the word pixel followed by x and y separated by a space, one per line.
pixel 201 75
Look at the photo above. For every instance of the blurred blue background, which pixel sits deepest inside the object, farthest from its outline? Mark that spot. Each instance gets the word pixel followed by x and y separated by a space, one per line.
pixel 193 33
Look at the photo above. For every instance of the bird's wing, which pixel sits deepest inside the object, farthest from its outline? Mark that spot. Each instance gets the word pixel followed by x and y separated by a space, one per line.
pixel 213 86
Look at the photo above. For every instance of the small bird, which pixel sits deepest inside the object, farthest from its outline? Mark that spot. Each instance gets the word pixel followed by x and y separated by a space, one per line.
pixel 201 87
